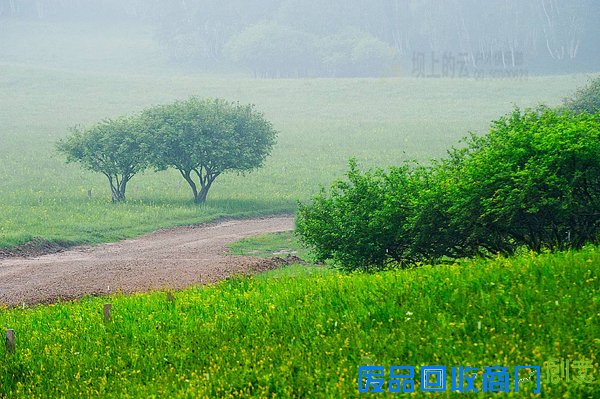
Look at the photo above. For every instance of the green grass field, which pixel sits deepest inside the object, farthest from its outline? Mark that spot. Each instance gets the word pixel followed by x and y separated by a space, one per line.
pixel 269 245
pixel 321 122
pixel 304 331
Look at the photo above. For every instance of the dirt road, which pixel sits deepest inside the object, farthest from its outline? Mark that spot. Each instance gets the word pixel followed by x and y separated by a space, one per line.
pixel 174 258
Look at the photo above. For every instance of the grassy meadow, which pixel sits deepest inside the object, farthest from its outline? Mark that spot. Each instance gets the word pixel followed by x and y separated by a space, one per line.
pixel 321 123
pixel 57 83
pixel 303 331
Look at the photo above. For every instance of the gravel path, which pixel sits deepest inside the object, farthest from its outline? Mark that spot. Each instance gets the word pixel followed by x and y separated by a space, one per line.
pixel 174 258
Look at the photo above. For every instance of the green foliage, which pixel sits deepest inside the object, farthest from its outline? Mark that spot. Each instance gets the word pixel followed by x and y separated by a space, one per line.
pixel 114 148
pixel 586 99
pixel 533 181
pixel 205 138
pixel 371 56
pixel 273 50
pixel 306 335
pixel 554 38
pixel 363 222
pixel 199 138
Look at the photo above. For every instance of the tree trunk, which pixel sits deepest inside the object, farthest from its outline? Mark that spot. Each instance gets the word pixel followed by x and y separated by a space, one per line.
pixel 190 181
pixel 208 181
pixel 201 198
pixel 123 188
pixel 118 196
pixel 117 188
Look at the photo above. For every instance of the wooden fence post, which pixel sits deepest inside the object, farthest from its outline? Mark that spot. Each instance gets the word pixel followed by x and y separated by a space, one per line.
pixel 107 310
pixel 170 296
pixel 10 340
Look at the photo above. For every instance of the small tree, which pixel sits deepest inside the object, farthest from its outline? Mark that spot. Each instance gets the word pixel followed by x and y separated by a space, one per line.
pixel 202 139
pixel 586 99
pixel 352 52
pixel 271 50
pixel 371 56
pixel 114 148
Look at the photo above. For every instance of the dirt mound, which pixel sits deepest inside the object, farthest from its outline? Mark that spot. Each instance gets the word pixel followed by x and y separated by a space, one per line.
pixel 265 265
pixel 36 247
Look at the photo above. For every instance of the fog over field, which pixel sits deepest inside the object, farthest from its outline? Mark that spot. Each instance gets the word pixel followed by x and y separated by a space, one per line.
pixel 306 38
pixel 383 81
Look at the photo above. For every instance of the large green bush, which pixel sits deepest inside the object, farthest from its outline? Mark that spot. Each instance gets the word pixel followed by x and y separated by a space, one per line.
pixel 532 182
pixel 363 222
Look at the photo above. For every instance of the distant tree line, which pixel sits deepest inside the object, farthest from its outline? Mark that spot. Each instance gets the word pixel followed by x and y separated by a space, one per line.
pixel 532 182
pixel 368 38
pixel 287 38
pixel 201 139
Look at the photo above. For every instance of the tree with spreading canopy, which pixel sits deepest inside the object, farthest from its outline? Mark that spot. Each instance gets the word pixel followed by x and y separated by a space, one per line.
pixel 114 147
pixel 204 138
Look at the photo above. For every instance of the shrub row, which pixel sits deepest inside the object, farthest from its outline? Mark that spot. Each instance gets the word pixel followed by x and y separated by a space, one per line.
pixel 532 182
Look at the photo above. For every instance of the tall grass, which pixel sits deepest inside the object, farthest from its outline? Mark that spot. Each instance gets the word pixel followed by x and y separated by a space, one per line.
pixel 305 334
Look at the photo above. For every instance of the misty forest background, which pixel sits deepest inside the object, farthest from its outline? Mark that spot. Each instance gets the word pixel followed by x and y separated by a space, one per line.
pixel 336 38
